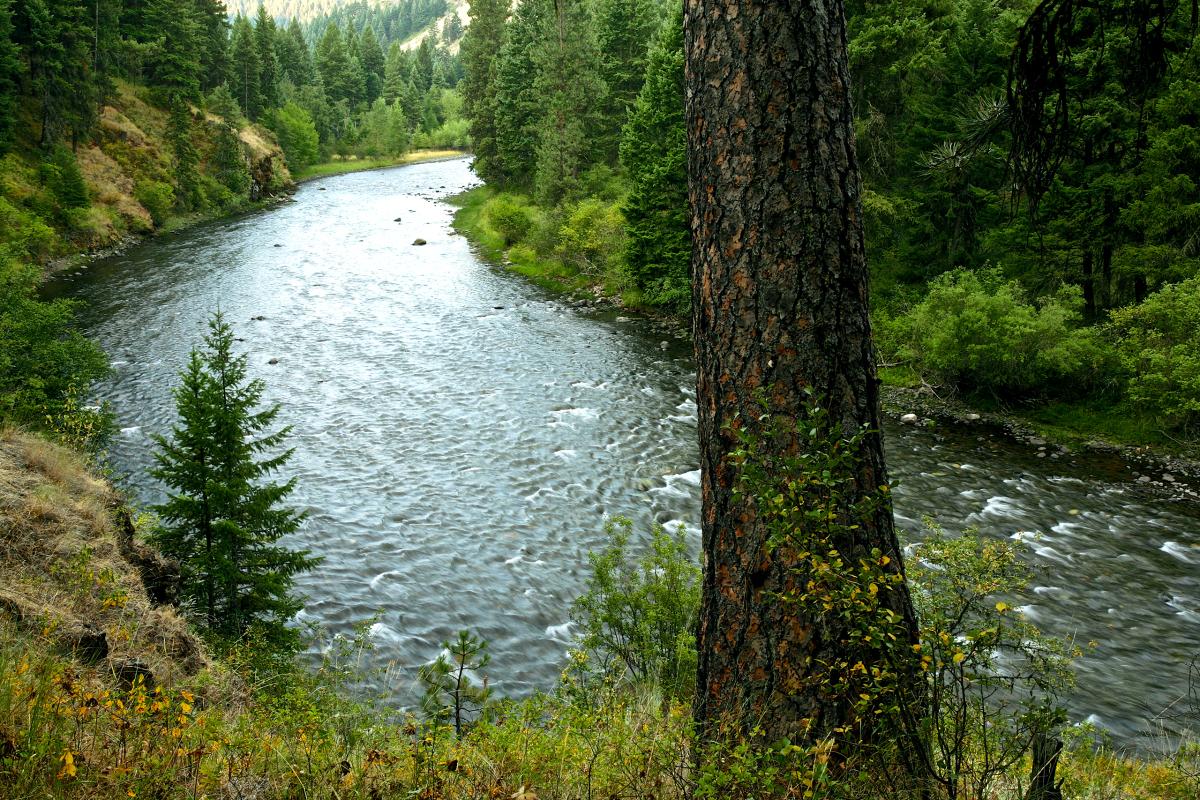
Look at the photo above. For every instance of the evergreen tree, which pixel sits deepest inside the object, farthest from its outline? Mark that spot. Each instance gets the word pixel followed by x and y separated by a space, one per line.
pixel 295 62
pixel 395 73
pixel 413 102
pixel 519 108
pixel 268 66
pixel 11 70
pixel 452 31
pixel 228 160
pixel 423 64
pixel 106 45
pixel 625 29
pixel 213 42
pixel 573 93
pixel 480 47
pixel 223 519
pixel 222 103
pixel 61 174
pixel 333 62
pixel 57 41
pixel 187 178
pixel 371 55
pixel 243 68
pixel 654 154
pixel 174 64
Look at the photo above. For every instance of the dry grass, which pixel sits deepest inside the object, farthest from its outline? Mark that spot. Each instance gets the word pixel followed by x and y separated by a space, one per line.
pixel 113 187
pixel 62 568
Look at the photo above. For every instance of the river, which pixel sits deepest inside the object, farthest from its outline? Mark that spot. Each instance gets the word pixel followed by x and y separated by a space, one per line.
pixel 461 436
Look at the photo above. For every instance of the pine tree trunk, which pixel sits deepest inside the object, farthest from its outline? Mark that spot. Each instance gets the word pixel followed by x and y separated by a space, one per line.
pixel 780 304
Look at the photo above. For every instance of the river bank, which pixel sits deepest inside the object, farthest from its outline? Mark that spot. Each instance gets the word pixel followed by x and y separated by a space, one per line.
pixel 73 263
pixel 1166 468
pixel 460 438
pixel 344 166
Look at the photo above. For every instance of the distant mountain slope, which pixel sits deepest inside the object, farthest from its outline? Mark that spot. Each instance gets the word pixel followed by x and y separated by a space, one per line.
pixel 414 16
pixel 405 21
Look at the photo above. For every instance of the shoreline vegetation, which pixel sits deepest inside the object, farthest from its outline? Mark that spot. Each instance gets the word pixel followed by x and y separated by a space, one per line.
pixel 343 166
pixel 106 690
pixel 1051 429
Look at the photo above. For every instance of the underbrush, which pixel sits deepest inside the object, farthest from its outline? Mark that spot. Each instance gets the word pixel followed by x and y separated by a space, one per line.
pixel 574 248
pixel 104 693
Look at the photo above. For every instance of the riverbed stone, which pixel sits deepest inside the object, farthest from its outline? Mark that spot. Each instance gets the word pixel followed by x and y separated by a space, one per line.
pixel 419 242
pixel 910 419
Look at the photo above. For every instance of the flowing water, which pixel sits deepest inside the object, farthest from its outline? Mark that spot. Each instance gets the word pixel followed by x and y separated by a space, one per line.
pixel 460 438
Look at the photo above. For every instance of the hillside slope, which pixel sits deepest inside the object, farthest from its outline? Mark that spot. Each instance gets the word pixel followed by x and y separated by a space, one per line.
pixel 129 175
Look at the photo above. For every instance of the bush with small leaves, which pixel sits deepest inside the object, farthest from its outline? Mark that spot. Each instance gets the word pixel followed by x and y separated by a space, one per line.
pixel 638 617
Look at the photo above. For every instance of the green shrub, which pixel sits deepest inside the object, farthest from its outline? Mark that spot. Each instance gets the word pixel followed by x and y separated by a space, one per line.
pixel 592 238
pixel 23 233
pixel 297 135
pixel 510 218
pixel 638 617
pixel 979 333
pixel 45 363
pixel 157 197
pixel 1159 345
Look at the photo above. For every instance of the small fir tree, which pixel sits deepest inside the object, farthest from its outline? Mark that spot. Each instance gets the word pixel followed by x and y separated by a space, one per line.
pixel 452 690
pixel 223 519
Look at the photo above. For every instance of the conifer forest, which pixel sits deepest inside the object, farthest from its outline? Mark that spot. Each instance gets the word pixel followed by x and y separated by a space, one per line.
pixel 580 399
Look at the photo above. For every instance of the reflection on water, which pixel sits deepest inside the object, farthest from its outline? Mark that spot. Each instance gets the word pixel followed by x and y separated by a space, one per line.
pixel 460 438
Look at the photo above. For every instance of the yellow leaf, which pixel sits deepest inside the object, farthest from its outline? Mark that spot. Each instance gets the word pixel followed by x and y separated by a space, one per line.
pixel 185 708
pixel 68 762
pixel 959 657
pixel 1002 607
pixel 873 589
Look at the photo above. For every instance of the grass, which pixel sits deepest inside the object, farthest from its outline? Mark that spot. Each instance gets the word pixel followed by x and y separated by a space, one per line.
pixel 341 166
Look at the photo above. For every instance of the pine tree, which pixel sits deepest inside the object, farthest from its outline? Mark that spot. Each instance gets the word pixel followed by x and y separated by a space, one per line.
pixel 57 40
pixel 268 66
pixel 228 160
pixel 519 108
pixel 424 65
pixel 295 62
pixel 395 73
pixel 213 41
pixel 62 176
pixel 11 70
pixel 243 68
pixel 625 30
pixel 371 55
pixel 174 64
pixel 480 47
pixel 106 45
pixel 654 154
pixel 333 62
pixel 573 93
pixel 223 519
pixel 187 178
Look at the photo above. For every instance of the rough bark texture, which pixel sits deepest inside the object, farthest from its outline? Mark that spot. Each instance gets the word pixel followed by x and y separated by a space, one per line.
pixel 780 303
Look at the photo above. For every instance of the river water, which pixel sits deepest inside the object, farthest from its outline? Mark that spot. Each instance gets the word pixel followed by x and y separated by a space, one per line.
pixel 461 437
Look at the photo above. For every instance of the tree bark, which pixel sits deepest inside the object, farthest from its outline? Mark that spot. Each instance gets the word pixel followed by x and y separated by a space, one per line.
pixel 779 305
